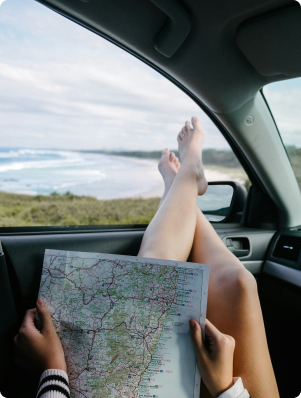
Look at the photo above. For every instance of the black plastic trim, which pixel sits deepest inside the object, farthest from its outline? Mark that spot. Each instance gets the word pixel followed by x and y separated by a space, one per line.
pixel 288 263
pixel 280 271
pixel 237 202
pixel 73 229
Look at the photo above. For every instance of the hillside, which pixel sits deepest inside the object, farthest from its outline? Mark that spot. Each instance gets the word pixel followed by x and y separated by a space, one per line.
pixel 210 156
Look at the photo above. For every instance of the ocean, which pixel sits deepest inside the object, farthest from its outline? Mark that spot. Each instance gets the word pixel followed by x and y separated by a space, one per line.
pixel 42 172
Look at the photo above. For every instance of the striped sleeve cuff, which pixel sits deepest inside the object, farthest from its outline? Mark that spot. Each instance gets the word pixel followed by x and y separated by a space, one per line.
pixel 54 383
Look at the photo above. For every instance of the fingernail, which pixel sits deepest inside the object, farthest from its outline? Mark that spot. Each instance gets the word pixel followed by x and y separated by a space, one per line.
pixel 41 301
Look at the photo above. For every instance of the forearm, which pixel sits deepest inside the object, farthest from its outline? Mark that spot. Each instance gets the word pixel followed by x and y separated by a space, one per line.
pixel 54 383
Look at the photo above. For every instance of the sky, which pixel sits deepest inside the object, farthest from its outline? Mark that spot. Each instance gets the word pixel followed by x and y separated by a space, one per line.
pixel 64 87
pixel 284 99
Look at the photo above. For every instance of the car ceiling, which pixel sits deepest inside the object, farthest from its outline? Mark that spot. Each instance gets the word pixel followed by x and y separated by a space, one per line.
pixel 223 61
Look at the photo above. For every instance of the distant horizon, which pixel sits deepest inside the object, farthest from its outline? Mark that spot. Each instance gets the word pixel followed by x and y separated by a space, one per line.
pixel 104 149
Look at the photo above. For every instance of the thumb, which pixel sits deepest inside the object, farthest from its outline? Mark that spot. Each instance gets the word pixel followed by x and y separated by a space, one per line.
pixel 212 332
pixel 196 335
pixel 44 316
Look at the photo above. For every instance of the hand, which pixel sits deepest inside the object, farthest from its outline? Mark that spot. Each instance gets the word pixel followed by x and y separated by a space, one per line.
pixel 42 348
pixel 214 356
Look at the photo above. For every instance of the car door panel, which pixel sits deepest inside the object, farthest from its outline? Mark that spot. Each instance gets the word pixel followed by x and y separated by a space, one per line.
pixel 24 253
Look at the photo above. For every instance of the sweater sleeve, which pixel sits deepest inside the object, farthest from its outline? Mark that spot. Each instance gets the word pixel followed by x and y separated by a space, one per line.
pixel 236 391
pixel 54 383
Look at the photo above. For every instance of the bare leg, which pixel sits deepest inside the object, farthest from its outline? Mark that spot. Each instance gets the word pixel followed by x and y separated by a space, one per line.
pixel 168 166
pixel 233 306
pixel 170 233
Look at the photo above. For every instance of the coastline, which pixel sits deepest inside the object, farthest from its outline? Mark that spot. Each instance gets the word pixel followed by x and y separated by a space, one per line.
pixel 212 173
pixel 115 178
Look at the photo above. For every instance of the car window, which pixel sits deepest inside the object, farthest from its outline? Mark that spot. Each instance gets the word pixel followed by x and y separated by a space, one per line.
pixel 284 99
pixel 83 124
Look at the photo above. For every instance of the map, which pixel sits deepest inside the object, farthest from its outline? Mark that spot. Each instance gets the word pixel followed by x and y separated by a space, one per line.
pixel 123 322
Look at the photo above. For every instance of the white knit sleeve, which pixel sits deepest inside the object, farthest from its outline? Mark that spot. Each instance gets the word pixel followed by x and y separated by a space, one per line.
pixel 236 391
pixel 54 383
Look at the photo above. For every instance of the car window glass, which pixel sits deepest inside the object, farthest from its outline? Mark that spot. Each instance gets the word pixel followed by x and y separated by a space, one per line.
pixel 83 124
pixel 284 99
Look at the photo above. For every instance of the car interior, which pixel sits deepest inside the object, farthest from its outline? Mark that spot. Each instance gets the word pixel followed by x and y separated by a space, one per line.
pixel 221 54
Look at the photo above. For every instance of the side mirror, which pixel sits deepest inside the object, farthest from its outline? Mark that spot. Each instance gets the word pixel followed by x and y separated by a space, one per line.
pixel 223 201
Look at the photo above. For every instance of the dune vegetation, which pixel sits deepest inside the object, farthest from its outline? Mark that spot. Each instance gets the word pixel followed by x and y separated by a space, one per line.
pixel 24 210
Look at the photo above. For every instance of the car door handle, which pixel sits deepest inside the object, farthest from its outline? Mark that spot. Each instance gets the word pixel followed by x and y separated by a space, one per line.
pixel 239 252
pixel 239 246
pixel 176 29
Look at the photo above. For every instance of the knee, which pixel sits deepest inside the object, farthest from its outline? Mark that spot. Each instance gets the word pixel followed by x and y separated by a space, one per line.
pixel 239 281
pixel 245 281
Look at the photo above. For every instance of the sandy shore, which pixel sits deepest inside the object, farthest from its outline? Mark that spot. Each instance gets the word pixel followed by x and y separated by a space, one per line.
pixel 212 173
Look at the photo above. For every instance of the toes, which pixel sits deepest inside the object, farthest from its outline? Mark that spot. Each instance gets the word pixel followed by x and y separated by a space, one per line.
pixel 181 134
pixel 195 122
pixel 187 126
pixel 165 152
pixel 172 156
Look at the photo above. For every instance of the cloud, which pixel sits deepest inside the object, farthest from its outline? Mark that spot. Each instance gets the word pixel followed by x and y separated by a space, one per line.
pixel 64 87
pixel 284 99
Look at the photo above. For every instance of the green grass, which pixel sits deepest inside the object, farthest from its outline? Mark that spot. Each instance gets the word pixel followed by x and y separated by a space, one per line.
pixel 25 210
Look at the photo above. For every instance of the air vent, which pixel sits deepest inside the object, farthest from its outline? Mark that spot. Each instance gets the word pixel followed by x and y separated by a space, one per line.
pixel 288 247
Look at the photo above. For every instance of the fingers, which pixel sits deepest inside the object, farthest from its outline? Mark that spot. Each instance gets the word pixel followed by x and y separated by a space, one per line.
pixel 29 317
pixel 45 318
pixel 213 335
pixel 216 337
pixel 196 335
pixel 211 330
pixel 27 328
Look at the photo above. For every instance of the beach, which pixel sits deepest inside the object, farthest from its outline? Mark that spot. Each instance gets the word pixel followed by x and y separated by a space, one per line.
pixel 101 176
pixel 51 188
pixel 212 173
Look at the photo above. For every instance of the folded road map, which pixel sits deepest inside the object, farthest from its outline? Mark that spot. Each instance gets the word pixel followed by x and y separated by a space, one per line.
pixel 123 322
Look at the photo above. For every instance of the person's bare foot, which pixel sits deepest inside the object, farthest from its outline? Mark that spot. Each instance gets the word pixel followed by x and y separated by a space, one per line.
pixel 168 166
pixel 190 141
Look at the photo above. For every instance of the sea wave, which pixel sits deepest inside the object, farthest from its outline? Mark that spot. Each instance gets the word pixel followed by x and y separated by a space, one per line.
pixel 38 171
pixel 58 159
